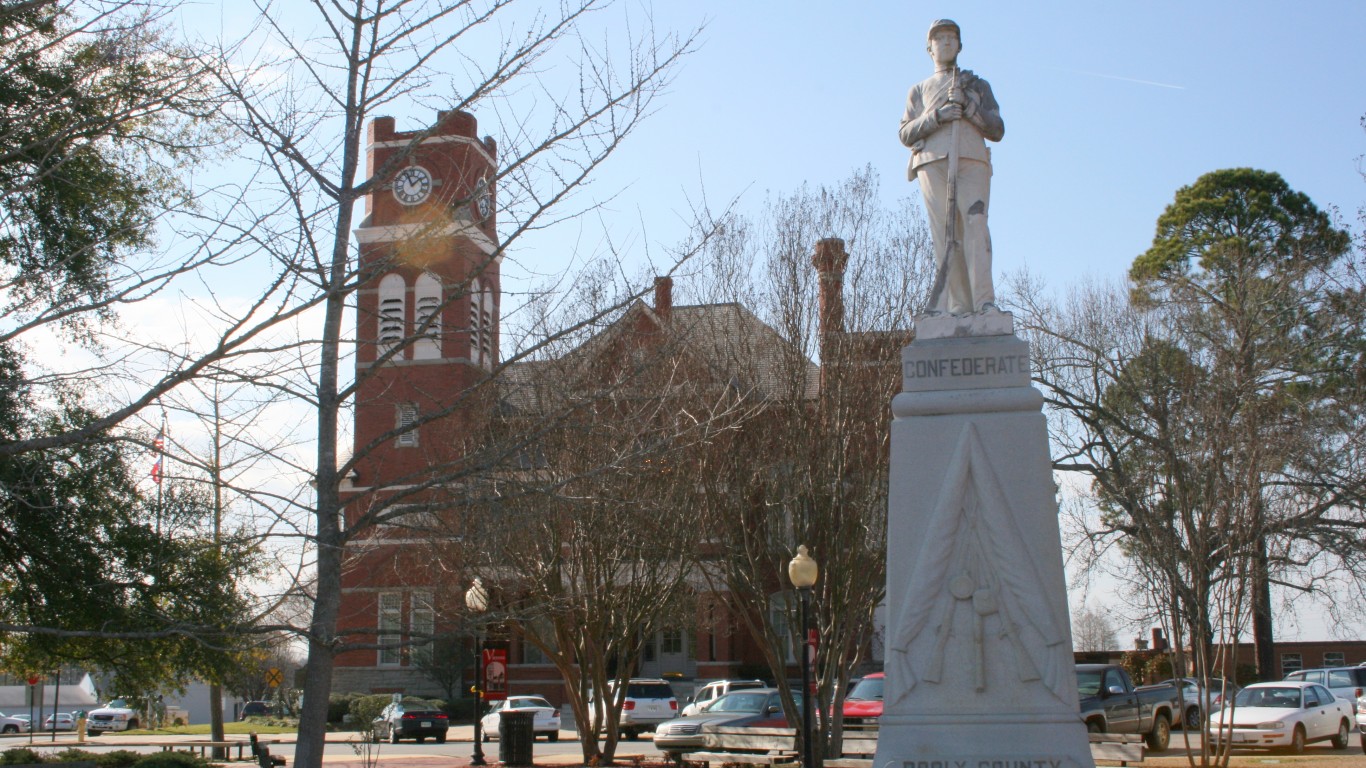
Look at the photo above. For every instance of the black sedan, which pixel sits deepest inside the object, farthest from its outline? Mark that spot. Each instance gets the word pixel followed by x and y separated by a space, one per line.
pixel 410 721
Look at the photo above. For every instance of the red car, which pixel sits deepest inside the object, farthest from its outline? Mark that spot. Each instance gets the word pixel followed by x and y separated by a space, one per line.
pixel 863 705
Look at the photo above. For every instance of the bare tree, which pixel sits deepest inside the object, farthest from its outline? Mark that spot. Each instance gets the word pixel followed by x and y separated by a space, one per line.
pixel 1092 631
pixel 302 96
pixel 585 529
pixel 822 431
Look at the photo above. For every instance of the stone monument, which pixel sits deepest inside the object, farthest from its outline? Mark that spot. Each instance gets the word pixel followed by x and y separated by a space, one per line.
pixel 979 648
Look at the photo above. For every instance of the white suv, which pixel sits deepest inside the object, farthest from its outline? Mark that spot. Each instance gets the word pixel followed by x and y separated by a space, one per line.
pixel 715 690
pixel 648 703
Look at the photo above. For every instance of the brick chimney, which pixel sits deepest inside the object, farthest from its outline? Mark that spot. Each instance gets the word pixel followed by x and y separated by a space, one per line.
pixel 664 297
pixel 830 260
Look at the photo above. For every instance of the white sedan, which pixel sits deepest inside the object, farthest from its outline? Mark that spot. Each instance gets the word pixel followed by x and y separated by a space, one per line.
pixel 547 721
pixel 1284 714
pixel 62 720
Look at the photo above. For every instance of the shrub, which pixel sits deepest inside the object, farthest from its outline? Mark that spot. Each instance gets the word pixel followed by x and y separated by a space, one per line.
pixel 364 709
pixel 172 760
pixel 119 758
pixel 19 756
pixel 339 705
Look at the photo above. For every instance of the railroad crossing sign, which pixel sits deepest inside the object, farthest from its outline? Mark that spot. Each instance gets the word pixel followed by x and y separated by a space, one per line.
pixel 274 677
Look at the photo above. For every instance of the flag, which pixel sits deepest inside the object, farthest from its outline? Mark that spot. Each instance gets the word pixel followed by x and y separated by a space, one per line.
pixel 159 445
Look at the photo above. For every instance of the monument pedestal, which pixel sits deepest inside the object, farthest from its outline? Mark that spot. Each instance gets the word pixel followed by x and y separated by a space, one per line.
pixel 979 662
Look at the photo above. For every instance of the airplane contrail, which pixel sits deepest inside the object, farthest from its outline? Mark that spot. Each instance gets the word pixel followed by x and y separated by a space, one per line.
pixel 1125 79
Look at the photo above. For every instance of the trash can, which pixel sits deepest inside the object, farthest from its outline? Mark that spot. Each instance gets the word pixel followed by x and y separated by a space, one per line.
pixel 516 735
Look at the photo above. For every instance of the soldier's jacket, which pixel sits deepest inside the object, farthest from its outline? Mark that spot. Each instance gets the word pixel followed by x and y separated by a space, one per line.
pixel 929 141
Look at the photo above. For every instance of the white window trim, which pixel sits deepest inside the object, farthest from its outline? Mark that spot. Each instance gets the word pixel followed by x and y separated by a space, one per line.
pixel 427 296
pixel 389 605
pixel 406 415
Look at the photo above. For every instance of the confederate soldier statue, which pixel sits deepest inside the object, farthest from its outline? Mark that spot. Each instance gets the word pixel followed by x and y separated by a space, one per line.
pixel 949 117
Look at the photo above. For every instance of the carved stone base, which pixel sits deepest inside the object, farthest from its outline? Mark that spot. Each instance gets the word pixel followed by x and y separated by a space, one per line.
pixel 992 322
pixel 979 650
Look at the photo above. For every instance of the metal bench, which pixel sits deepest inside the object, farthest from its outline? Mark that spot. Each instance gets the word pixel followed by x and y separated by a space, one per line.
pixel 1122 748
pixel 858 747
pixel 757 746
pixel 202 747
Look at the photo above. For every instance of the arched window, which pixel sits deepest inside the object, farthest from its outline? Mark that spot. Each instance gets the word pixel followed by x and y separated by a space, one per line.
pixel 427 317
pixel 391 290
pixel 486 327
pixel 481 324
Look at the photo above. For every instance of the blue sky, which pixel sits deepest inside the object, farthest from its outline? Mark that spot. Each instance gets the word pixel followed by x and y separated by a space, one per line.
pixel 1109 108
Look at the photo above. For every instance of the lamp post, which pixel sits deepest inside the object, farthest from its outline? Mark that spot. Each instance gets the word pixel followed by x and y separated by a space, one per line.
pixel 802 570
pixel 477 600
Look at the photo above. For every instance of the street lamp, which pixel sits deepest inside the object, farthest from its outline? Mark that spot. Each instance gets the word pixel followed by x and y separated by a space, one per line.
pixel 477 600
pixel 803 572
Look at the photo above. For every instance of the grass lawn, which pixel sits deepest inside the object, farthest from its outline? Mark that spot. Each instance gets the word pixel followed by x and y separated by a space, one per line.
pixel 241 728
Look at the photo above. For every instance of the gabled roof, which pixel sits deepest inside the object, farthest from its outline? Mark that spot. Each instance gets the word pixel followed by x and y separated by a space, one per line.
pixel 739 350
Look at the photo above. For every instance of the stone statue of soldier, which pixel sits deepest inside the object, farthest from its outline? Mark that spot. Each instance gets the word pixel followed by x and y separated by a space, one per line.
pixel 949 118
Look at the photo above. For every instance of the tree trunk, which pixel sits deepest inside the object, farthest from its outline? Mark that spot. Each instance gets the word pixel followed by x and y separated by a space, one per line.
pixel 1263 637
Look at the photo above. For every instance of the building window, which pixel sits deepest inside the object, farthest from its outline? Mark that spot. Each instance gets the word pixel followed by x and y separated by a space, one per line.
pixel 421 628
pixel 390 628
pixel 481 324
pixel 1291 662
pixel 671 642
pixel 407 418
pixel 390 332
pixel 1334 659
pixel 427 317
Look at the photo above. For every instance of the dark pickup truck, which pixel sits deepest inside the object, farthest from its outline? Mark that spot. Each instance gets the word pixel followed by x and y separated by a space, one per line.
pixel 1111 704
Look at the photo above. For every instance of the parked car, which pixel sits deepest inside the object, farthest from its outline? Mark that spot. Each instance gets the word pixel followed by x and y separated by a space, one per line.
pixel 1345 682
pixel 752 707
pixel 10 724
pixel 863 705
pixel 117 715
pixel 254 709
pixel 647 703
pixel 410 720
pixel 1284 714
pixel 1361 721
pixel 1111 704
pixel 547 721
pixel 63 722
pixel 714 690
pixel 1200 700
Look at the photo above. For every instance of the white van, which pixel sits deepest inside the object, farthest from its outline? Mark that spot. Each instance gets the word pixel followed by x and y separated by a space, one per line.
pixel 714 690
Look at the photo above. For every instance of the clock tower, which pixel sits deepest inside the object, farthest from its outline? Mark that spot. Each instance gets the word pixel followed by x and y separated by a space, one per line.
pixel 427 339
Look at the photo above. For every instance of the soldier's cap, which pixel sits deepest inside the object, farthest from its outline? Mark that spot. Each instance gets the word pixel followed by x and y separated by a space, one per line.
pixel 944 24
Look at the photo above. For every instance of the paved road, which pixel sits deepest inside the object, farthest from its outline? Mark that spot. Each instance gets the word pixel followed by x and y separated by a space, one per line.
pixel 343 750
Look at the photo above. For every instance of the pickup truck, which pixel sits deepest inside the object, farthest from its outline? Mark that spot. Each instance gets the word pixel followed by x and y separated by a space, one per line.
pixel 1111 704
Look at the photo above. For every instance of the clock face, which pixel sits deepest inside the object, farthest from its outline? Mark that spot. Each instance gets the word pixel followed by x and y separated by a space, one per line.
pixel 483 198
pixel 412 185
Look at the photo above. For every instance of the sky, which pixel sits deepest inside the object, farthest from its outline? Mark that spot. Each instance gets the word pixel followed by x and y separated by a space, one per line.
pixel 1109 108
